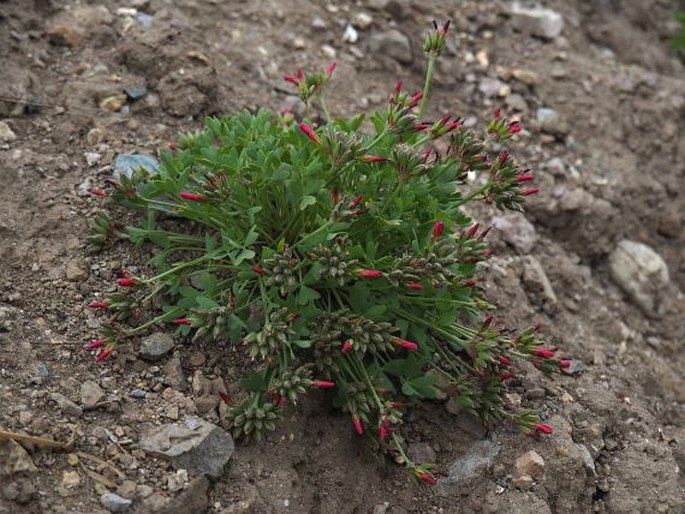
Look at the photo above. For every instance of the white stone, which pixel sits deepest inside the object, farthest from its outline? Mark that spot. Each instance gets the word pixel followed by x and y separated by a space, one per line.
pixel 6 133
pixel 537 21
pixel 643 275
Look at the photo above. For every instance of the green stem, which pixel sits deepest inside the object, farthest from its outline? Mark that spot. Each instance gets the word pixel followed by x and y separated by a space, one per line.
pixel 324 108
pixel 178 267
pixel 427 84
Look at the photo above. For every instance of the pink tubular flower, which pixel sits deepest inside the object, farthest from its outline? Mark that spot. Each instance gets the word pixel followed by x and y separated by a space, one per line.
pixel 323 384
pixel 369 273
pixel 541 427
pixel 564 364
pixel 438 229
pixel 103 354
pixel 358 425
pixel 498 113
pixel 506 375
pixel 544 353
pixel 331 69
pixel 291 79
pixel 415 285
pixel 98 305
pixel 181 321
pixel 95 343
pixel 530 191
pixel 415 99
pixel 258 270
pixel 309 132
pixel 98 192
pixel 347 346
pixel 192 197
pixel 127 282
pixel 226 399
pixel 172 146
pixel 407 345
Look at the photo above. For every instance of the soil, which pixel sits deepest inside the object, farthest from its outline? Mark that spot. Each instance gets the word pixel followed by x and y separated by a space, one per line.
pixel 610 167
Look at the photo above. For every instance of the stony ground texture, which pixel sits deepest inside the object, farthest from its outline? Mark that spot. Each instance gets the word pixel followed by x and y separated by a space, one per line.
pixel 597 258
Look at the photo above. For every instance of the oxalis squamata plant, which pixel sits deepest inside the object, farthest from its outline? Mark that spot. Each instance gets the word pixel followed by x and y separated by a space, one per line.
pixel 333 259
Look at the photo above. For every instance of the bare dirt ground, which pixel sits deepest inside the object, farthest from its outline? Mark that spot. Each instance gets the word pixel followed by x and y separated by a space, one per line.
pixel 610 162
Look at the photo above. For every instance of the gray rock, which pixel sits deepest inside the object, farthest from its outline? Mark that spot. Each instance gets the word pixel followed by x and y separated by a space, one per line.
pixel 516 103
pixel 193 499
pixel 177 481
pixel 517 231
pixel 76 272
pixel 392 43
pixel 421 452
pixel 197 446
pixel 535 280
pixel 125 164
pixel 398 9
pixel 115 503
pixel 14 459
pixel 43 372
pixel 530 463
pixel 92 158
pixel 138 394
pixel 91 394
pixel 551 122
pixel 470 465
pixel 537 21
pixel 6 133
pixel 155 346
pixel 643 275
pixel 490 87
pixel 66 405
pixel 173 375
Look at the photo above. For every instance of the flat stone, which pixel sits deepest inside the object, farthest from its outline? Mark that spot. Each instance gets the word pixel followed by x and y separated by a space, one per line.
pixel 517 231
pixel 62 34
pixel 536 281
pixel 196 445
pixel 66 405
pixel 421 453
pixel 524 482
pixel 470 465
pixel 14 459
pixel 91 394
pixel 6 133
pixel 113 103
pixel 643 275
pixel 193 499
pixel 537 21
pixel 76 272
pixel 155 346
pixel 392 43
pixel 551 121
pixel 70 479
pixel 115 503
pixel 530 463
pixel 177 481
pixel 173 375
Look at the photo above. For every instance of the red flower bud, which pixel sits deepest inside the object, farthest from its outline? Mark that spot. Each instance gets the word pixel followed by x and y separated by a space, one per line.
pixel 335 196
pixel 565 363
pixel 541 427
pixel 438 229
pixel 331 68
pixel 181 321
pixel 98 305
pixel 506 375
pixel 530 191
pixel 172 147
pixel 407 345
pixel 258 270
pixel 291 79
pixel 307 130
pixel 396 405
pixel 426 477
pixel 504 360
pixel 95 343
pixel 524 177
pixel 323 384
pixel 544 353
pixel 415 99
pixel 347 346
pixel 358 425
pixel 98 192
pixel 356 201
pixel 415 285
pixel 103 354
pixel 224 397
pixel 369 273
pixel 127 282
pixel 498 113
pixel 472 231
pixel 514 127
pixel 192 197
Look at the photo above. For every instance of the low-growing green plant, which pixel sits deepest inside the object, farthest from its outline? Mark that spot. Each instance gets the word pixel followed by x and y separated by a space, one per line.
pixel 679 39
pixel 332 258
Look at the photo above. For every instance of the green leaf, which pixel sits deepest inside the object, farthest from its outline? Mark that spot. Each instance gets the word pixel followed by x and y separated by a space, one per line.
pixel 423 386
pixel 303 343
pixel 307 201
pixel 307 295
pixel 254 381
pixel 375 311
pixel 245 255
pixel 206 303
